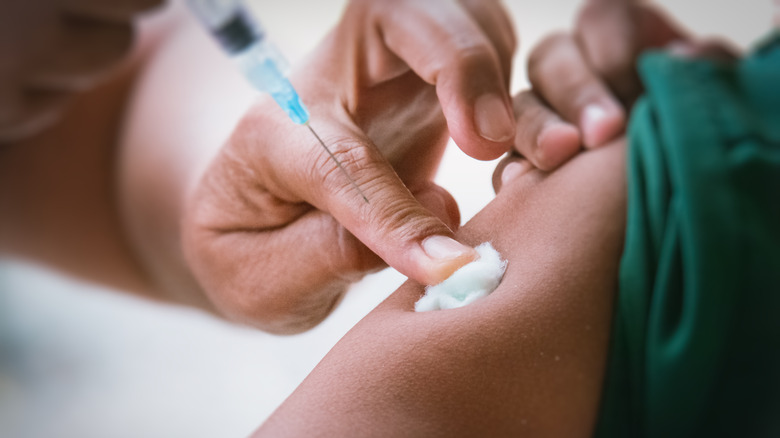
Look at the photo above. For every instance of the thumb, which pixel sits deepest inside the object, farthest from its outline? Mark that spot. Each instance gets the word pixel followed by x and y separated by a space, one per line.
pixel 389 220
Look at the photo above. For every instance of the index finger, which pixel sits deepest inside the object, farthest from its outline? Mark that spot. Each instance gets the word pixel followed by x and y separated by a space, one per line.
pixel 392 223
pixel 444 45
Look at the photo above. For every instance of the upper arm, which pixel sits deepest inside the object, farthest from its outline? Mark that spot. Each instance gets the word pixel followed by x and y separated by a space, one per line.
pixel 528 358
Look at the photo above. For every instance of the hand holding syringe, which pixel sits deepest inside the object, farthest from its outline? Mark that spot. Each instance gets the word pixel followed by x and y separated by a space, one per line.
pixel 276 230
pixel 245 41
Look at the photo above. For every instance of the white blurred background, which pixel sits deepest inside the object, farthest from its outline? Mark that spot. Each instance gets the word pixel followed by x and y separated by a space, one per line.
pixel 79 361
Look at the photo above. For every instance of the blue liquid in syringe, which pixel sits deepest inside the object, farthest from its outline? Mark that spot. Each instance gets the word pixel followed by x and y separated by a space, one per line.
pixel 261 63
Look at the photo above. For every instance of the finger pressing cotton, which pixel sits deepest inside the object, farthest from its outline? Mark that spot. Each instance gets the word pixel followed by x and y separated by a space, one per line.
pixel 469 283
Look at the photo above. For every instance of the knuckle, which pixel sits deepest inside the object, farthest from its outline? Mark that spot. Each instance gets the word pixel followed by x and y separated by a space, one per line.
pixel 469 55
pixel 489 13
pixel 354 157
pixel 610 52
pixel 580 89
pixel 528 108
pixel 565 82
pixel 404 220
pixel 539 58
pixel 615 66
pixel 494 21
pixel 476 64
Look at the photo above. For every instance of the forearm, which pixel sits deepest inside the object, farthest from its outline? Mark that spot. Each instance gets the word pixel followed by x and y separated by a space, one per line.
pixel 528 358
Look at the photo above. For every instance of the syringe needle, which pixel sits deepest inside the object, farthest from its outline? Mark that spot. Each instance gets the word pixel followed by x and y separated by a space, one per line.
pixel 336 160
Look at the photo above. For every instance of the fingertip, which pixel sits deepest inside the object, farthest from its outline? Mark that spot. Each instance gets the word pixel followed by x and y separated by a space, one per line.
pixel 490 132
pixel 509 169
pixel 601 123
pixel 512 171
pixel 479 148
pixel 493 118
pixel 557 143
pixel 440 256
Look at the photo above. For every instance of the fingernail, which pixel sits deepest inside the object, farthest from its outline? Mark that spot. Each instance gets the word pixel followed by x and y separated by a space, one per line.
pixel 598 126
pixel 557 142
pixel 511 171
pixel 449 255
pixel 445 248
pixel 492 117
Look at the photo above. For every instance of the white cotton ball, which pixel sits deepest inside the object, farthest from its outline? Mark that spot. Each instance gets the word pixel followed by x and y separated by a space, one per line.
pixel 469 283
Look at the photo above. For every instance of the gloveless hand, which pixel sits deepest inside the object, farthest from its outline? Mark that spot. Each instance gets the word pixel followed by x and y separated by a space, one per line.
pixel 274 231
pixel 584 83
pixel 592 71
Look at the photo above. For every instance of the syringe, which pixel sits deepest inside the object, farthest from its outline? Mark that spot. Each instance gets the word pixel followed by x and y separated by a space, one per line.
pixel 243 38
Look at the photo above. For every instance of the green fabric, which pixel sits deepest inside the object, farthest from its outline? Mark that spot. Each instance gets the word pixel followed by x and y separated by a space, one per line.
pixel 696 334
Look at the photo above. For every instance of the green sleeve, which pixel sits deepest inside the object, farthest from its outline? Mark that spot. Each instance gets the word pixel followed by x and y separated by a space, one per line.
pixel 695 347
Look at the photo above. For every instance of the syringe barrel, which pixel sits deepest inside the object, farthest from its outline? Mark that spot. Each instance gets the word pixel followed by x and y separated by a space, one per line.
pixel 244 39
pixel 262 68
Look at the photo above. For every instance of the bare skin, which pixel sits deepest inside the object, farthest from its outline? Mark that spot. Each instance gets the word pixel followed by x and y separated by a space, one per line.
pixel 143 187
pixel 527 360
pixel 124 190
pixel 583 83
pixel 162 199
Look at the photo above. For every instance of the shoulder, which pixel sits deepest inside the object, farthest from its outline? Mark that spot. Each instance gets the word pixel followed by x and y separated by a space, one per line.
pixel 54 49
